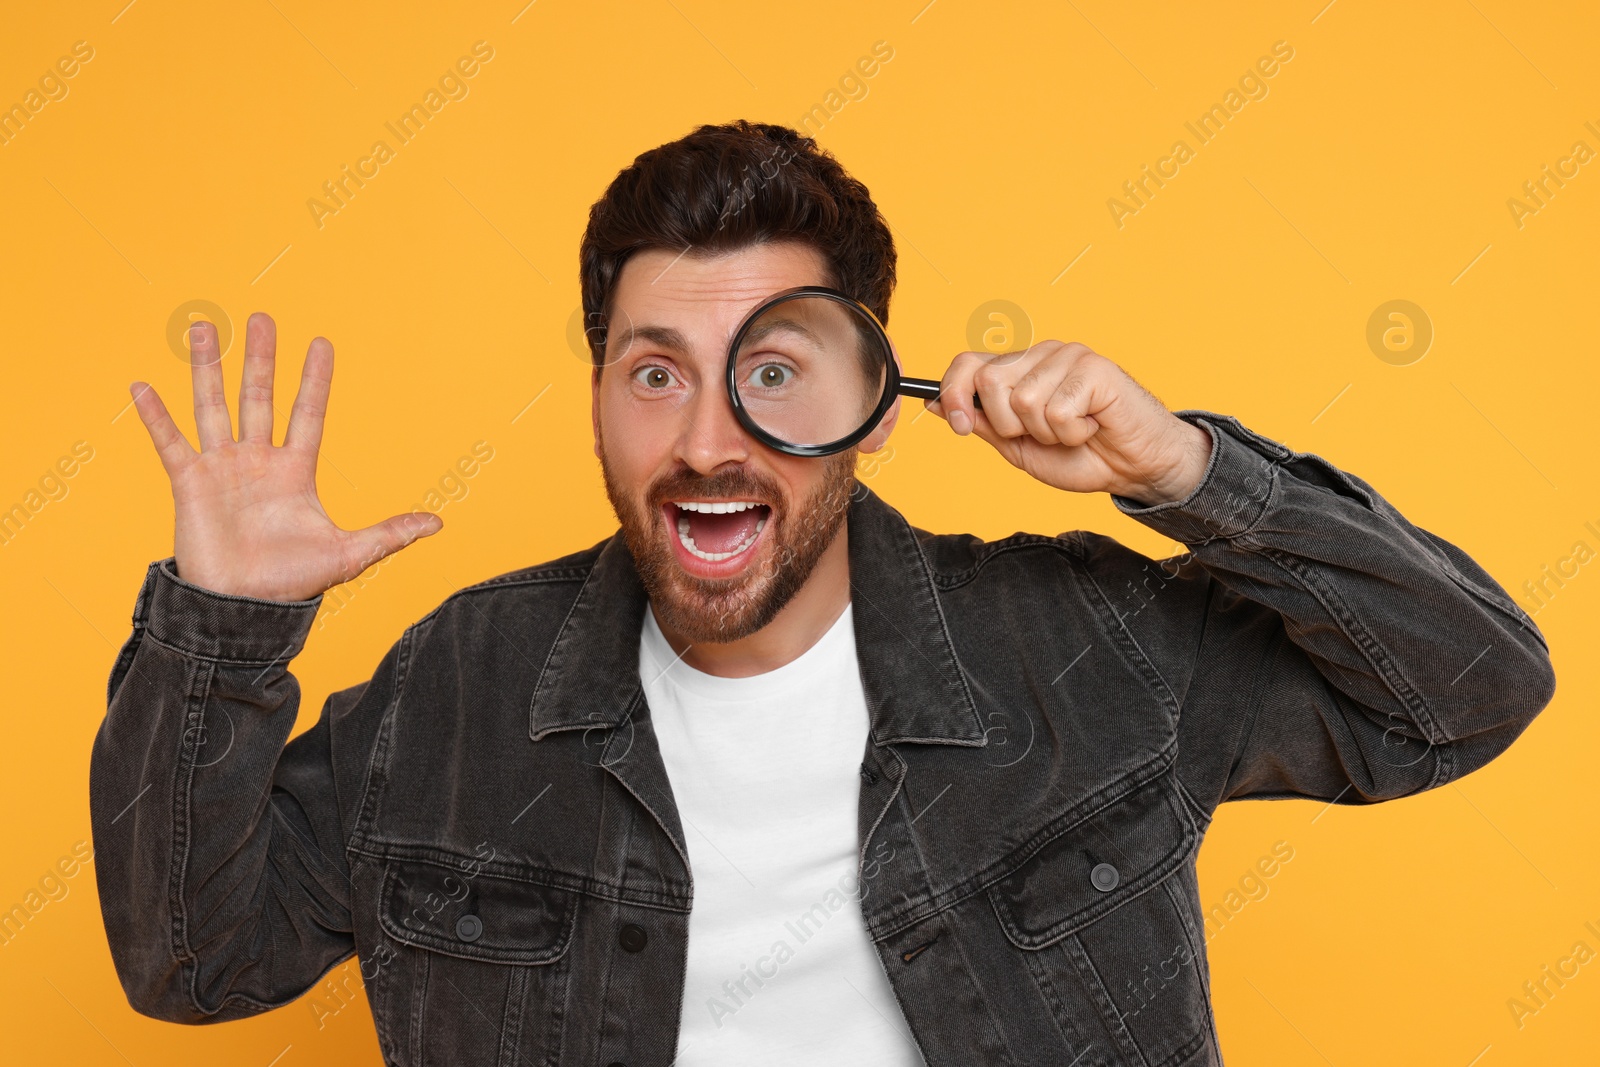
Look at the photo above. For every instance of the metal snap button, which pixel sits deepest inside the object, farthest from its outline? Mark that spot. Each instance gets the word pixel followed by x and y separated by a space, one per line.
pixel 469 927
pixel 1104 877
pixel 632 938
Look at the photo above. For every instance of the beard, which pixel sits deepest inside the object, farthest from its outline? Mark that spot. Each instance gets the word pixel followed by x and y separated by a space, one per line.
pixel 718 610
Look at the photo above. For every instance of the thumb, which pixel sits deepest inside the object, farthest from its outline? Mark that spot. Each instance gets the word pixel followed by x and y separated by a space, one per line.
pixel 1009 447
pixel 394 533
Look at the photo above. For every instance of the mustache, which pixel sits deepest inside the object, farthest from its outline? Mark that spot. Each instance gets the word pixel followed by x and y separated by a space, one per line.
pixel 742 484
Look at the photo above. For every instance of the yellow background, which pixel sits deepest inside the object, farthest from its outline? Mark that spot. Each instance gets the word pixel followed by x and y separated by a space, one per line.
pixel 1378 167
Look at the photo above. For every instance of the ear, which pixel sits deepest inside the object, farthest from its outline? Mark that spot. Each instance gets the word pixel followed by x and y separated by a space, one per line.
pixel 880 434
pixel 594 408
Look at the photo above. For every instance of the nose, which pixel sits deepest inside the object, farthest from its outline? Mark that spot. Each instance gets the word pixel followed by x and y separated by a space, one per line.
pixel 709 435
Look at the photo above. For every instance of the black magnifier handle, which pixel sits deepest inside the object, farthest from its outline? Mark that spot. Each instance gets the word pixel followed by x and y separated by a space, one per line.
pixel 928 389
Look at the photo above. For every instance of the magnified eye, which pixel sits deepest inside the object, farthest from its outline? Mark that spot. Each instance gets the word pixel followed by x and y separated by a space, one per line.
pixel 654 377
pixel 771 375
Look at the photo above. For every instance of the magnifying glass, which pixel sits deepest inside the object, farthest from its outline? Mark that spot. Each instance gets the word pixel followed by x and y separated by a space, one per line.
pixel 810 372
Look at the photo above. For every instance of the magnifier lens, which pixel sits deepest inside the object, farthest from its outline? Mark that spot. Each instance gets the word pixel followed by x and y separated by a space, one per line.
pixel 811 370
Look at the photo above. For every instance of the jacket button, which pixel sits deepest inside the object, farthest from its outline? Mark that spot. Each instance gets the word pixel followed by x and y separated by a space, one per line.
pixel 469 927
pixel 632 938
pixel 1104 877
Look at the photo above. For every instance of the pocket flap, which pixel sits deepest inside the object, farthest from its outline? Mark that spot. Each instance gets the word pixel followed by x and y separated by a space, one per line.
pixel 462 911
pixel 1095 865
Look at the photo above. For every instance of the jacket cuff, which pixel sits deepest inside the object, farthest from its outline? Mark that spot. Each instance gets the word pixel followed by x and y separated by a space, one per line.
pixel 220 626
pixel 1238 485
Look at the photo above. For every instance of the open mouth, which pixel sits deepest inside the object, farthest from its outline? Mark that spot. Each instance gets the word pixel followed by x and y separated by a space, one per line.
pixel 716 533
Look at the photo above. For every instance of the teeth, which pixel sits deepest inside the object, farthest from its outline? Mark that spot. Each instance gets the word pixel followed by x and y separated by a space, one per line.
pixel 717 507
pixel 713 557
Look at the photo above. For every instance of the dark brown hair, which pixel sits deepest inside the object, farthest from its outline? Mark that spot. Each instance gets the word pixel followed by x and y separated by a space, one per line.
pixel 726 187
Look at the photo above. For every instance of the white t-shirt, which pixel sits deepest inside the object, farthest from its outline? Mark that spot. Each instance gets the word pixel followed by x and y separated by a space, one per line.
pixel 765 771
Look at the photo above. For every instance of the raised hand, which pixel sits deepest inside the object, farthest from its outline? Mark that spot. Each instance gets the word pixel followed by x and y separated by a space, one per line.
pixel 1073 419
pixel 248 521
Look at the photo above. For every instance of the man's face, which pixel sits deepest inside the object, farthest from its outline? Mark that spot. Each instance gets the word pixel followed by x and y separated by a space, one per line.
pixel 723 530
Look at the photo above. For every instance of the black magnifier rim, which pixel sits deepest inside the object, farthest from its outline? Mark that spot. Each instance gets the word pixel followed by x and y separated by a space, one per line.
pixel 891 378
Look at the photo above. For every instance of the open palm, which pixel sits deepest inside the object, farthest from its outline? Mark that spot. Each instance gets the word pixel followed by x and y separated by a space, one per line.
pixel 248 521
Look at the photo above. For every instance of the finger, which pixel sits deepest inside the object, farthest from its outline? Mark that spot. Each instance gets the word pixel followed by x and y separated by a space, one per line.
pixel 389 536
pixel 171 446
pixel 994 381
pixel 1033 391
pixel 955 392
pixel 210 406
pixel 255 387
pixel 311 402
pixel 1069 467
pixel 1068 408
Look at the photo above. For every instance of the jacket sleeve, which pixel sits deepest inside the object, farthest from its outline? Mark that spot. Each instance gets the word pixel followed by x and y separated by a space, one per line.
pixel 1342 652
pixel 219 851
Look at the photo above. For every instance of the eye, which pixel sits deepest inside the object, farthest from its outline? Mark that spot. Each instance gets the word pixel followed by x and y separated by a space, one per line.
pixel 654 377
pixel 771 375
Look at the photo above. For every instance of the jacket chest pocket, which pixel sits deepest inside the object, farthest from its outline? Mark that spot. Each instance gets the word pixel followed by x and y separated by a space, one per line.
pixel 1099 915
pixel 479 964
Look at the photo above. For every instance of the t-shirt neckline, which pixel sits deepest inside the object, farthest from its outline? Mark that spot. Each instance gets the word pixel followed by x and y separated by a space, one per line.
pixel 669 668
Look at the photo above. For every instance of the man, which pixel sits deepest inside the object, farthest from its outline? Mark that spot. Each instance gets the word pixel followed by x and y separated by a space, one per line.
pixel 769 776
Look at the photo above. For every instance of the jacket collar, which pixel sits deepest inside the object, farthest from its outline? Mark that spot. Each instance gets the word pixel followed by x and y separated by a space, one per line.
pixel 915 688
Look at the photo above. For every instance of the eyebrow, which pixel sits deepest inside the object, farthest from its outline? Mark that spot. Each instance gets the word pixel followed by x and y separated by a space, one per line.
pixel 665 336
pixel 761 330
pixel 673 340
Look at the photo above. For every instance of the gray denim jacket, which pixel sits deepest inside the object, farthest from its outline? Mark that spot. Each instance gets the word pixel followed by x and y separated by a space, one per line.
pixel 487 823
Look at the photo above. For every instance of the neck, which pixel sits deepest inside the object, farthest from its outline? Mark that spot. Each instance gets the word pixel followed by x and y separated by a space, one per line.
pixel 797 626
